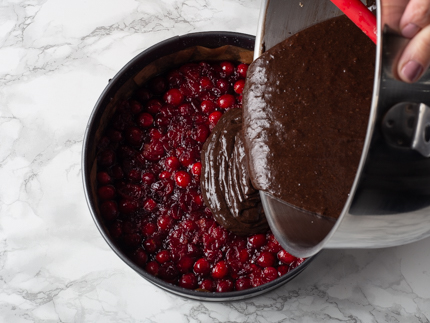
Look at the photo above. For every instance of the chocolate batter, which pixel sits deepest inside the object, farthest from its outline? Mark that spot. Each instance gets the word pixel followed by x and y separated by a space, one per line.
pixel 226 187
pixel 306 107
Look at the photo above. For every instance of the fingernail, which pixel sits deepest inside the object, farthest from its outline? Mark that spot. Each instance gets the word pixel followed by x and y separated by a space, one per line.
pixel 412 70
pixel 410 30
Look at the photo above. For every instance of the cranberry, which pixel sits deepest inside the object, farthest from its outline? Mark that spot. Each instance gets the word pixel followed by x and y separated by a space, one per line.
pixel 207 285
pixel 256 240
pixel 266 259
pixel 141 257
pixel 185 109
pixel 163 256
pixel 207 106
pixel 128 206
pixel 106 192
pixel 222 86
pixel 182 179
pixel 185 264
pixel 172 163
pixel 282 270
pixel 151 245
pixel 109 210
pixel 220 270
pixel 148 178
pixel 197 169
pixel 149 205
pixel 164 223
pixel 103 178
pixel 153 106
pixel 243 283
pixel 285 257
pixel 143 94
pixel 202 266
pixel 224 285
pixel 214 117
pixel 106 158
pixel 134 136
pixel 205 83
pixel 227 67
pixel 145 120
pixel 188 281
pixel 149 229
pixel 135 107
pixel 173 97
pixel 226 101
pixel 152 268
pixel 165 174
pixel 242 69
pixel 238 86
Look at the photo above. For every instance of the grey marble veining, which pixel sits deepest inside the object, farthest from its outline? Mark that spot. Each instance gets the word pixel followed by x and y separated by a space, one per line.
pixel 56 57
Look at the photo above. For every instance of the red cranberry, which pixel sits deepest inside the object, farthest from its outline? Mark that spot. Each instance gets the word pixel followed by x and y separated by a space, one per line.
pixel 135 107
pixel 106 158
pixel 149 205
pixel 207 106
pixel 257 240
pixel 151 245
pixel 222 86
pixel 163 187
pixel 148 178
pixel 205 83
pixel 243 255
pixel 103 178
pixel 227 67
pixel 285 257
pixel 164 223
pixel 266 259
pixel 152 268
pixel 128 206
pixel 153 106
pixel 145 120
pixel 172 163
pixel 242 69
pixel 109 210
pixel 185 264
pixel 168 271
pixel 106 192
pixel 182 179
pixel 283 269
pixel 143 94
pixel 202 266
pixel 207 285
pixel 115 230
pixel 165 174
pixel 141 257
pixel 243 283
pixel 224 285
pixel 163 256
pixel 188 281
pixel 226 101
pixel 238 86
pixel 214 117
pixel 153 151
pixel 220 270
pixel 270 273
pixel 173 97
pixel 149 229
pixel 197 169
pixel 134 136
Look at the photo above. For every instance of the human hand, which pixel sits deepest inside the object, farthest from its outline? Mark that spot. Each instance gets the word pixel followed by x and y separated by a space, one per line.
pixel 412 19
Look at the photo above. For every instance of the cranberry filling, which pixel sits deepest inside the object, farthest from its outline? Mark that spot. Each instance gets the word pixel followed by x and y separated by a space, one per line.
pixel 149 184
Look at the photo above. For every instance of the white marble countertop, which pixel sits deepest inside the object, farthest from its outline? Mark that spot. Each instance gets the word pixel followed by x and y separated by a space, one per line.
pixel 56 57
